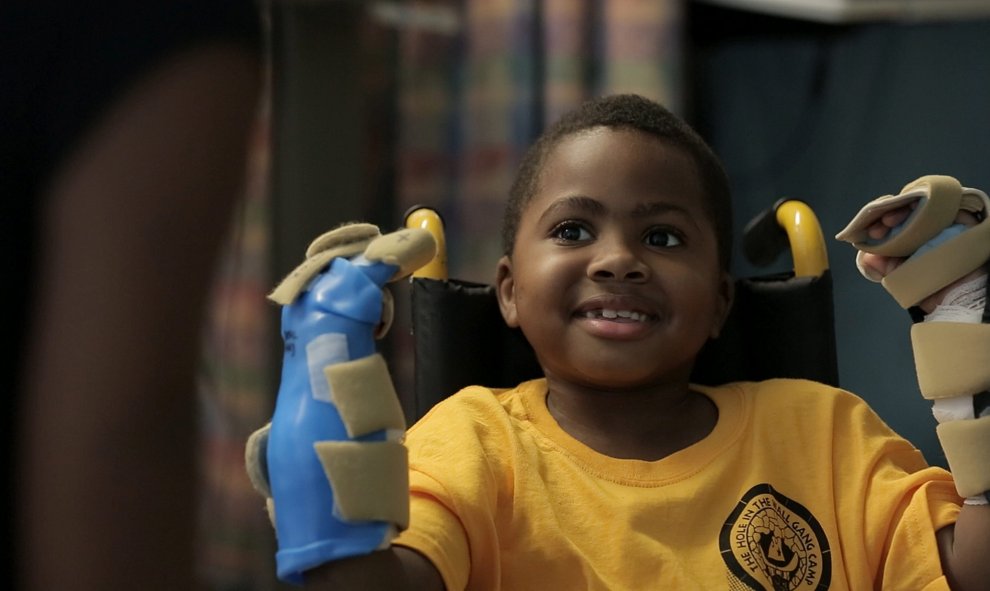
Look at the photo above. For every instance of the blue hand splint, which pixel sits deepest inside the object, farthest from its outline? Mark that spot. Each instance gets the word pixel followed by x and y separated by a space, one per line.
pixel 939 239
pixel 331 322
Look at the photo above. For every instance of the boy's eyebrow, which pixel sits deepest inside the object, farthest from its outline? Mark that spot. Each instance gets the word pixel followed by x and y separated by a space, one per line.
pixel 592 206
pixel 580 202
pixel 654 208
pixel 657 208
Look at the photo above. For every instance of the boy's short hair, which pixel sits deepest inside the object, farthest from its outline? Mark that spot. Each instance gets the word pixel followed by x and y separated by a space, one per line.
pixel 626 111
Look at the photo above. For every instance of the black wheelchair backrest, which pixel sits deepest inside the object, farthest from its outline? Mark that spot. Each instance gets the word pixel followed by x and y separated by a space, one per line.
pixel 780 325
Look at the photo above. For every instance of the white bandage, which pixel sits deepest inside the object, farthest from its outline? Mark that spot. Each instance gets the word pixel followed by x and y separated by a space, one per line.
pixel 956 408
pixel 964 303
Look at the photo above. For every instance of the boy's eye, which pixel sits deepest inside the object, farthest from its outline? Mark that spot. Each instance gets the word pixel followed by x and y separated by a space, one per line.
pixel 661 238
pixel 571 232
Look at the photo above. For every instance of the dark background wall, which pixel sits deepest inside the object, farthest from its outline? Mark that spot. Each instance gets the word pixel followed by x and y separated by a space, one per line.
pixel 836 115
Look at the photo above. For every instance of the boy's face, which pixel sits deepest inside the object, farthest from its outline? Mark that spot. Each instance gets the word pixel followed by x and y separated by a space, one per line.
pixel 614 277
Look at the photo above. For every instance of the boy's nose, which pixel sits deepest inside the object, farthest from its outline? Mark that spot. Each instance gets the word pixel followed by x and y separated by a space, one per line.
pixel 618 262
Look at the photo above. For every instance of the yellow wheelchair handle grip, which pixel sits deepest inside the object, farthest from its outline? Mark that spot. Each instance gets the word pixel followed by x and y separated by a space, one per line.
pixel 429 219
pixel 804 233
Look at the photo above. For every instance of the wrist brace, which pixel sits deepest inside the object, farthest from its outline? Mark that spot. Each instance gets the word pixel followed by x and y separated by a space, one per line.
pixel 332 459
pixel 952 346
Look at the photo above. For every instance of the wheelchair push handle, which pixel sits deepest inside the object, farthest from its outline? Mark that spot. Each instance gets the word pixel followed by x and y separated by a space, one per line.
pixel 789 223
pixel 429 219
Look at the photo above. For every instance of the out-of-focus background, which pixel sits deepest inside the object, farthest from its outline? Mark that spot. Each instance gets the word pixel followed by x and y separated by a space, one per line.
pixel 373 107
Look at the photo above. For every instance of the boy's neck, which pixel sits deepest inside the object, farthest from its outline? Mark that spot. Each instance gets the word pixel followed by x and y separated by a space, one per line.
pixel 643 424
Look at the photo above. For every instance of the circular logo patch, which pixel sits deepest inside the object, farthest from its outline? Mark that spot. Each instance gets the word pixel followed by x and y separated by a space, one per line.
pixel 773 543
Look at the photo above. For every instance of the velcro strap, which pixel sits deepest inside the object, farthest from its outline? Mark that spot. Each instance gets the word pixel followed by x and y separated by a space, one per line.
pixel 256 460
pixel 951 358
pixel 363 393
pixel 924 274
pixel 270 509
pixel 345 241
pixel 388 314
pixel 408 249
pixel 370 480
pixel 966 445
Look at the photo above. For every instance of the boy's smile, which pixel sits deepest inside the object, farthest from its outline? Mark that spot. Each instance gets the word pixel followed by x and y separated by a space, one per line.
pixel 614 277
pixel 619 317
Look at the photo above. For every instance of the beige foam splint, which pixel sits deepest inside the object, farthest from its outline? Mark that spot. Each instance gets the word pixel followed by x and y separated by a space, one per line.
pixel 365 398
pixel 951 358
pixel 940 199
pixel 370 480
pixel 409 249
pixel 967 446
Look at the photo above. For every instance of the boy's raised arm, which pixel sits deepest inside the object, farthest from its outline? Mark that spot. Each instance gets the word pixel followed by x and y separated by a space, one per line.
pixel 929 247
pixel 332 463
pixel 395 568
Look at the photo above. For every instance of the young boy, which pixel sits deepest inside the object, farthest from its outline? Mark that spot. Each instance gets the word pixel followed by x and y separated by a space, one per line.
pixel 614 471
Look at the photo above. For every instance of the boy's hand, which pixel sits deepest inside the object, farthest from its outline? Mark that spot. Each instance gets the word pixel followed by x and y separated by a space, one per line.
pixel 929 246
pixel 884 265
pixel 332 460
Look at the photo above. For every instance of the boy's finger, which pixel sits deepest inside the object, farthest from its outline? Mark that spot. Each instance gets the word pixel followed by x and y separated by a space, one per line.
pixel 896 217
pixel 880 264
pixel 877 230
pixel 888 221
pixel 966 218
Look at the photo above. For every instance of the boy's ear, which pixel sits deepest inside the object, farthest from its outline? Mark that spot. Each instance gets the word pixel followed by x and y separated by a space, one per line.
pixel 505 290
pixel 726 295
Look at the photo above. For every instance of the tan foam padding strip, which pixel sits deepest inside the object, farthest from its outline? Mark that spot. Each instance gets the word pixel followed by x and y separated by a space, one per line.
pixel 370 480
pixel 270 510
pixel 924 274
pixel 345 241
pixel 388 314
pixel 966 444
pixel 409 249
pixel 951 358
pixel 256 460
pixel 363 393
pixel 935 213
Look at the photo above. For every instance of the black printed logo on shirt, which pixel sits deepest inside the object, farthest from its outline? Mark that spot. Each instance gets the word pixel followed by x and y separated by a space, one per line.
pixel 773 543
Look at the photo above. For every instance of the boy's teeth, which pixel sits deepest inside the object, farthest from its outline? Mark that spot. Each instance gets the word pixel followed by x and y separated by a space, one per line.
pixel 612 314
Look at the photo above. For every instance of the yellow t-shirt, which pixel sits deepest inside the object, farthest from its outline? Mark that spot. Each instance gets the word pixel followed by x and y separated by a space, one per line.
pixel 799 485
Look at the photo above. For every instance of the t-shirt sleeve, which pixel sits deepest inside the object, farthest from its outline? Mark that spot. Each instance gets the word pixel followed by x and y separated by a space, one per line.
pixel 913 548
pixel 903 502
pixel 436 533
pixel 457 477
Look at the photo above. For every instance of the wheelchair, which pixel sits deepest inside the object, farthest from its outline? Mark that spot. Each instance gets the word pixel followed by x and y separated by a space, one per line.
pixel 781 325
